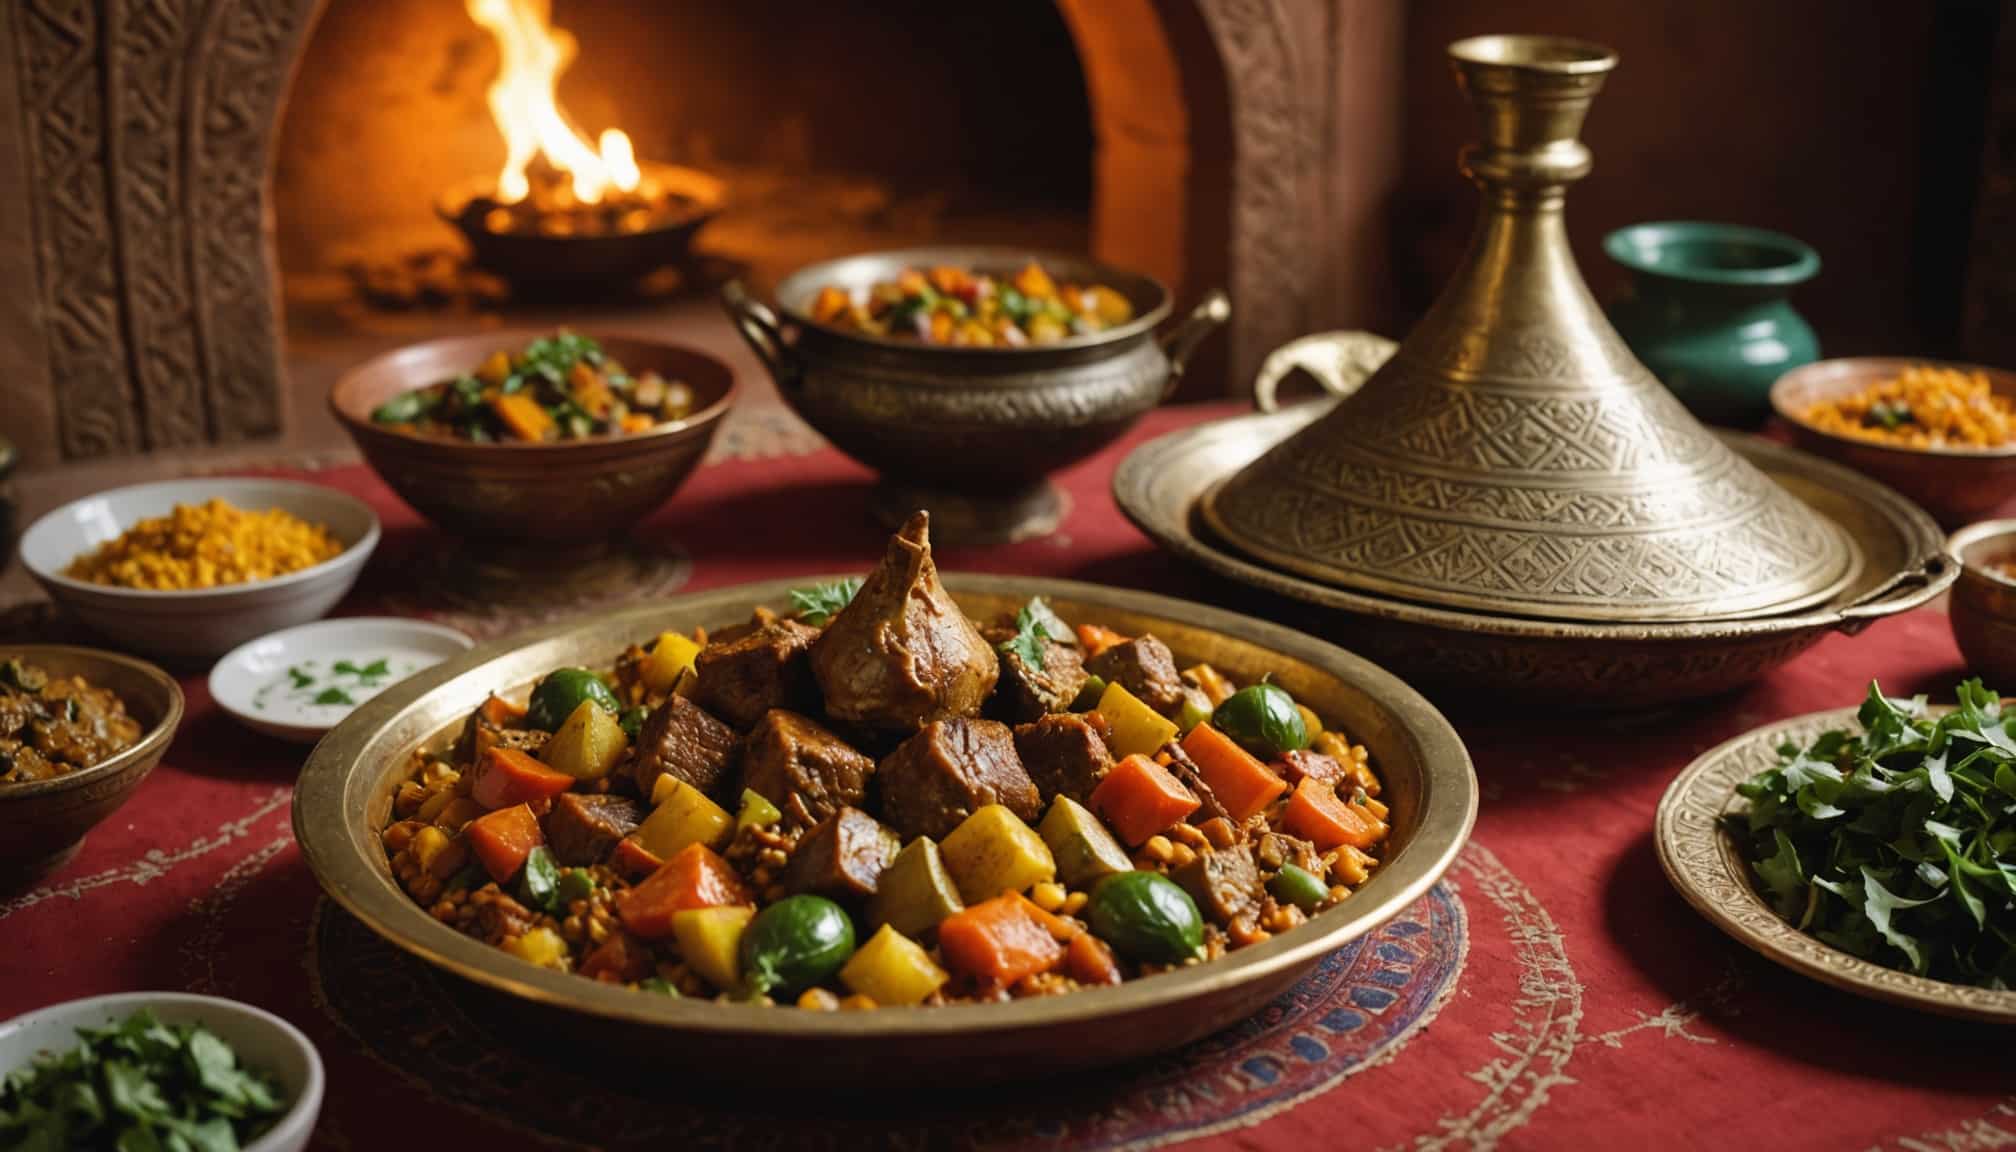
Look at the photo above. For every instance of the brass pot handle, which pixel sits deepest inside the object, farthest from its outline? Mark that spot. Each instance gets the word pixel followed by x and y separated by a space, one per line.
pixel 1209 314
pixel 1339 361
pixel 763 332
pixel 1907 589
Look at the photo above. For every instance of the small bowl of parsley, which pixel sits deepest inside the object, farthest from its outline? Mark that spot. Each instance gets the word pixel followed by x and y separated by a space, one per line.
pixel 166 1070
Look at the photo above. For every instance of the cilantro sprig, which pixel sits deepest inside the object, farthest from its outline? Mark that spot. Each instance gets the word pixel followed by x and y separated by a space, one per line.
pixel 1897 843
pixel 1035 624
pixel 139 1084
pixel 821 602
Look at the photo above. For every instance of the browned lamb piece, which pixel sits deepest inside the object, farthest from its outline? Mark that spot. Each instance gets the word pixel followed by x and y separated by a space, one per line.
pixel 682 740
pixel 1064 755
pixel 842 857
pixel 1277 848
pixel 949 770
pixel 582 830
pixel 808 772
pixel 1145 667
pixel 1225 883
pixel 765 668
pixel 1023 693
pixel 1302 762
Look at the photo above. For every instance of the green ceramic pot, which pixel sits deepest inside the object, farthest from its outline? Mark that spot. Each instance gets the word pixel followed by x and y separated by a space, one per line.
pixel 1709 312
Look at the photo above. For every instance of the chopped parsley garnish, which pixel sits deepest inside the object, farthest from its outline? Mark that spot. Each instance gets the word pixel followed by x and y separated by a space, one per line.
pixel 1034 625
pixel 821 602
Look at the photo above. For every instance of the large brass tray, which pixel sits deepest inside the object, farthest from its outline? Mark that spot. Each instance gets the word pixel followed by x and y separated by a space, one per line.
pixel 1706 865
pixel 345 793
pixel 1577 665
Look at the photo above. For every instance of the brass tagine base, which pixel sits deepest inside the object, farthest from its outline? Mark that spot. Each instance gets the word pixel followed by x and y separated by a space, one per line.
pixel 1513 457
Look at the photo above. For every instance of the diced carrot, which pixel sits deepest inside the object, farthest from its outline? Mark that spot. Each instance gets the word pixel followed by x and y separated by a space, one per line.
pixel 830 303
pixel 633 861
pixel 523 416
pixel 1095 638
pixel 1088 960
pixel 998 941
pixel 694 878
pixel 503 839
pixel 951 281
pixel 619 959
pixel 941 327
pixel 501 712
pixel 1034 282
pixel 1237 777
pixel 1318 815
pixel 508 776
pixel 1139 798
pixel 591 392
pixel 635 422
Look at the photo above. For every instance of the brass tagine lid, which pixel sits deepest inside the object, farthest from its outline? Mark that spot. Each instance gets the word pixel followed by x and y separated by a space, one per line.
pixel 1513 456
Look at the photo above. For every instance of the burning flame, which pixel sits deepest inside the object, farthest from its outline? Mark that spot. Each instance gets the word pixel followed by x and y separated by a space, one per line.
pixel 524 102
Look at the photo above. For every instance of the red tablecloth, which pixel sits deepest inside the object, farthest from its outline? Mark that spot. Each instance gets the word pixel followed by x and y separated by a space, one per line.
pixel 1553 992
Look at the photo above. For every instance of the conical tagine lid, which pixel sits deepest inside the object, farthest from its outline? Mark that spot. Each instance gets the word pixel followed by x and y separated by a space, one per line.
pixel 1513 456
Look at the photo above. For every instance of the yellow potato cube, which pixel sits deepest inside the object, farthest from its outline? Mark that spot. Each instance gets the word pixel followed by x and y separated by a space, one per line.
pixel 671 657
pixel 685 816
pixel 994 852
pixel 541 946
pixel 588 745
pixel 710 940
pixel 1137 728
pixel 892 969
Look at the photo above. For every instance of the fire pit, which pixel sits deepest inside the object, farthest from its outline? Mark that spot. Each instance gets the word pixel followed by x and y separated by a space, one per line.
pixel 565 212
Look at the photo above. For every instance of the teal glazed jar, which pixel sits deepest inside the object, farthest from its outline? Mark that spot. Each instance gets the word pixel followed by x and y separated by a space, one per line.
pixel 1710 312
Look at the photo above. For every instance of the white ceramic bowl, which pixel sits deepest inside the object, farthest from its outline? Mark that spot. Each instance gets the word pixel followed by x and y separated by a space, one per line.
pixel 252 682
pixel 261 1040
pixel 201 623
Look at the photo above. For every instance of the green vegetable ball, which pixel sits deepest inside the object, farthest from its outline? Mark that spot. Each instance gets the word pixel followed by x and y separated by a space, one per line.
pixel 794 944
pixel 1263 720
pixel 561 692
pixel 1146 917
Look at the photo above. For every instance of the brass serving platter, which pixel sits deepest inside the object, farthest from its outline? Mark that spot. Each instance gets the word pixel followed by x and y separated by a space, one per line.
pixel 1705 863
pixel 1581 665
pixel 345 792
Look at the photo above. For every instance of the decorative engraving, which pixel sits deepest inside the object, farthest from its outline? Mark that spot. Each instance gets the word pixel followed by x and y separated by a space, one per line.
pixel 1706 864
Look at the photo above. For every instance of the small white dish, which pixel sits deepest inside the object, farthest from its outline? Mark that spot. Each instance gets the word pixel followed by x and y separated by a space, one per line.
pixel 261 1040
pixel 203 622
pixel 297 684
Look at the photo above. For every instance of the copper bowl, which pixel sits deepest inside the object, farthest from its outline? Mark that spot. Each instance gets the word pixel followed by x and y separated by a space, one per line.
pixel 46 820
pixel 1956 485
pixel 970 433
pixel 1983 608
pixel 344 798
pixel 549 501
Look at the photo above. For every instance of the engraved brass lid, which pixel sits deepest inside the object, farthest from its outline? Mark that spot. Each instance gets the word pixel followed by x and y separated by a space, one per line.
pixel 1513 456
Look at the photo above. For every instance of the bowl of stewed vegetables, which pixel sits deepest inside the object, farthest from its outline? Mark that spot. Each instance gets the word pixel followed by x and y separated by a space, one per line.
pixel 966 376
pixel 962 830
pixel 524 441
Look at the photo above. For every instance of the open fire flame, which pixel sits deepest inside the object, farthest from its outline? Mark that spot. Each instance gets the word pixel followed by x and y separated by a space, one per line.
pixel 525 103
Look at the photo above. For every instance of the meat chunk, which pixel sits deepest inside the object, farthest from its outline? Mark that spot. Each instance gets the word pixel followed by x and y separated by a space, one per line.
pixel 1145 667
pixel 1302 762
pixel 902 654
pixel 841 857
pixel 1225 883
pixel 1064 755
pixel 682 740
pixel 948 771
pixel 498 916
pixel 807 771
pixel 1277 848
pixel 766 668
pixel 582 830
pixel 1185 769
pixel 1024 693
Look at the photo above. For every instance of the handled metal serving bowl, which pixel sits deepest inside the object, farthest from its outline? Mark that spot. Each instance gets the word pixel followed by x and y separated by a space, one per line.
pixel 970 433
pixel 344 799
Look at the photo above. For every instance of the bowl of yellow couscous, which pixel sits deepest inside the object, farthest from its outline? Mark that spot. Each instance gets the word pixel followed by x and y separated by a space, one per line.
pixel 189 569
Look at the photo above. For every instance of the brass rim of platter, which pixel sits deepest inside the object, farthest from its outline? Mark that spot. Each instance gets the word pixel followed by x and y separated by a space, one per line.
pixel 343 796
pixel 1706 865
pixel 1160 485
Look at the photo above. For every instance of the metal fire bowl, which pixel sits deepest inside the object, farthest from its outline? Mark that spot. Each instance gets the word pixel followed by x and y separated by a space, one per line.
pixel 610 263
pixel 1564 663
pixel 344 797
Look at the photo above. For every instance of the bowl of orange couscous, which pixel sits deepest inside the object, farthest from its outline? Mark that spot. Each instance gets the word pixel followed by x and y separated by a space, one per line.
pixel 189 569
pixel 1942 434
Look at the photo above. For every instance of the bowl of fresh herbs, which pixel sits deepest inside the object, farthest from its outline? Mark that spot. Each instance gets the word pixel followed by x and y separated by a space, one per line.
pixel 165 1070
pixel 1872 848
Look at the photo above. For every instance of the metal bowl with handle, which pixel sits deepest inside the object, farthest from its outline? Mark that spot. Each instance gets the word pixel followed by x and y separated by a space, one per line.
pixel 972 434
pixel 344 800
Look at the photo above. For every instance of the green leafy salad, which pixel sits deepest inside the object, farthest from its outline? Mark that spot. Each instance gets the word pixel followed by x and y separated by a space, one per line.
pixel 1897 844
pixel 138 1086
